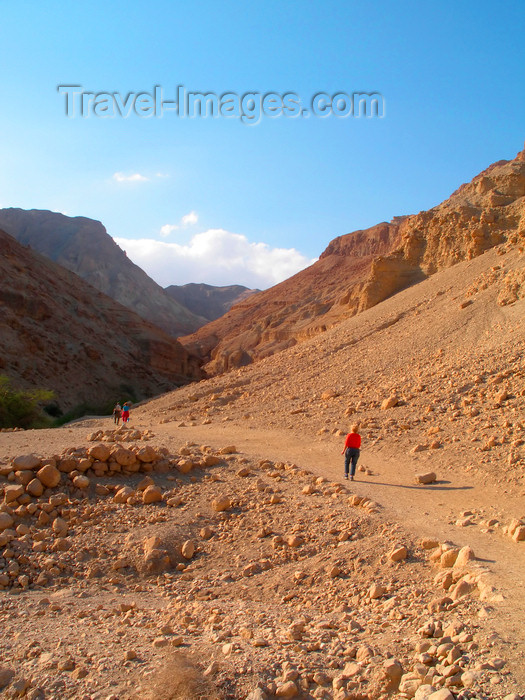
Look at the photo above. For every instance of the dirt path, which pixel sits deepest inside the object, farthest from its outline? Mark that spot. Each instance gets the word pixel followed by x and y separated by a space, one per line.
pixel 423 510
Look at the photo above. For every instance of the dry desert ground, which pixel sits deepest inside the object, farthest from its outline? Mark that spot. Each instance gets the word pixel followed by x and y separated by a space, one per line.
pixel 213 549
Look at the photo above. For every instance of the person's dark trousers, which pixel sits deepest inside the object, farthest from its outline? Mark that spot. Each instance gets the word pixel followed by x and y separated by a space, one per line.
pixel 351 456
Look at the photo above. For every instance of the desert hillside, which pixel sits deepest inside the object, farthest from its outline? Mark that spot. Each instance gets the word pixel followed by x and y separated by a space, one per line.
pixel 436 369
pixel 214 550
pixel 83 246
pixel 59 333
pixel 361 269
pixel 293 310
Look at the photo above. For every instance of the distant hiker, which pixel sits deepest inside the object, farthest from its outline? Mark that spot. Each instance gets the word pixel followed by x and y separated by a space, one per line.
pixel 351 451
pixel 117 413
pixel 125 412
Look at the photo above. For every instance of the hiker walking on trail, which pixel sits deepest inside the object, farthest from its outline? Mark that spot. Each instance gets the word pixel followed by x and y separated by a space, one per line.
pixel 125 412
pixel 351 451
pixel 117 413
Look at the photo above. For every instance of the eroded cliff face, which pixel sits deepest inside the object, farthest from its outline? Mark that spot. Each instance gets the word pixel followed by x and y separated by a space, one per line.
pixel 363 268
pixel 57 332
pixel 487 211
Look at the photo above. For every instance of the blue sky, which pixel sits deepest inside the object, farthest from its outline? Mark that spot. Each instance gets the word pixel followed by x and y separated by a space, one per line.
pixel 219 201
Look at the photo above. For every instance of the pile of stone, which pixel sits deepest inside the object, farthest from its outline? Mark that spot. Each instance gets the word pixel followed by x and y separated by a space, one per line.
pixel 516 530
pixel 40 492
pixel 122 434
pixel 30 475
pixel 460 574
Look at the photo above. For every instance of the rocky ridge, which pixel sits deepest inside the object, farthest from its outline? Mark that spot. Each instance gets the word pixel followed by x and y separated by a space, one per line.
pixel 207 301
pixel 59 333
pixel 361 269
pixel 84 247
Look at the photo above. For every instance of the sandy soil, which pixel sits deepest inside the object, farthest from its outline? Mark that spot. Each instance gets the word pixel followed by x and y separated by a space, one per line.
pixel 277 601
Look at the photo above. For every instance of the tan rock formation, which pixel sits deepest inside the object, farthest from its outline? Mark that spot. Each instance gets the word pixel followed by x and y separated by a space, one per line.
pixel 363 268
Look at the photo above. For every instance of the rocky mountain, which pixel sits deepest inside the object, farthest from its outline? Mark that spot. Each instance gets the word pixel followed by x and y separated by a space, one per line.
pixel 361 269
pixel 208 301
pixel 83 246
pixel 57 332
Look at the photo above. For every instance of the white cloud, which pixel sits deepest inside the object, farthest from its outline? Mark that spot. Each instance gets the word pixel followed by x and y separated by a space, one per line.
pixel 135 177
pixel 190 219
pixel 187 220
pixel 216 257
pixel 167 229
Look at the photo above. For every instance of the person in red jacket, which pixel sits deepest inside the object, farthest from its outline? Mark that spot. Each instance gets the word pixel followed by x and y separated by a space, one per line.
pixel 125 412
pixel 351 451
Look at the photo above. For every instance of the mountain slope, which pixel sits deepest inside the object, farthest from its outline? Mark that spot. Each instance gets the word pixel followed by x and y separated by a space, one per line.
pixel 361 269
pixel 208 301
pixel 449 353
pixel 57 332
pixel 83 246
pixel 293 310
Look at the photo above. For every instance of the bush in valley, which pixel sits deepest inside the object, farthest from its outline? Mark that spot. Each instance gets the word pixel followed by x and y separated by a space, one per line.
pixel 22 409
pixel 179 678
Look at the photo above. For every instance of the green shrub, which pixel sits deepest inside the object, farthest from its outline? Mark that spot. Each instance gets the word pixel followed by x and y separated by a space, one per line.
pixel 22 409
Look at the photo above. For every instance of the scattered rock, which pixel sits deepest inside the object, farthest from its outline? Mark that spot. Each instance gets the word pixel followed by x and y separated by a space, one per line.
pixel 152 494
pixel 389 402
pixel 398 553
pixel 426 478
pixel 221 503
pixel 188 549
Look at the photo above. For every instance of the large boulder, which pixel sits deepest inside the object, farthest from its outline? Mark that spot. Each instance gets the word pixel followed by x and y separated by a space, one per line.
pixel 124 456
pixel 81 482
pixel 156 559
pixel 30 462
pixel 123 494
pixel 147 454
pixel 389 402
pixel 188 549
pixel 6 521
pixel 152 494
pixel 221 503
pixel 425 478
pixel 11 493
pixel 99 452
pixel 67 464
pixel 49 476
pixel 35 488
